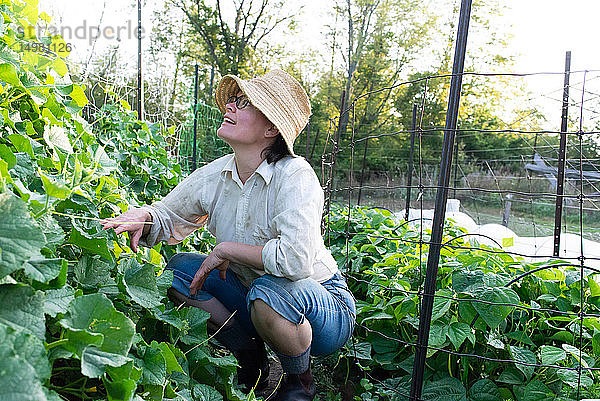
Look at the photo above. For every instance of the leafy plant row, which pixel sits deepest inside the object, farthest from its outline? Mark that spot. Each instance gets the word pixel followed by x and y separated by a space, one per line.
pixel 490 338
pixel 82 317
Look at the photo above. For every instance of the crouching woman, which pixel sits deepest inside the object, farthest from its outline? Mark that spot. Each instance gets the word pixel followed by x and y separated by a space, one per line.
pixel 270 267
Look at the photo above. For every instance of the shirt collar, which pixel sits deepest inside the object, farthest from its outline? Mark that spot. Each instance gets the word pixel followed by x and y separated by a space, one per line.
pixel 265 170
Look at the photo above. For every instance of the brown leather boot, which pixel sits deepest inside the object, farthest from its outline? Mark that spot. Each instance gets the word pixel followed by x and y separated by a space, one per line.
pixel 296 388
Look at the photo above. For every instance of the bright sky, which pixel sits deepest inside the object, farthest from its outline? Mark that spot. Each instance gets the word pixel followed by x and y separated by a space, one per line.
pixel 542 31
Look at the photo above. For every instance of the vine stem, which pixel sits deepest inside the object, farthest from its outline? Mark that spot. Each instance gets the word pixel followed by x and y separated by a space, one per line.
pixel 56 343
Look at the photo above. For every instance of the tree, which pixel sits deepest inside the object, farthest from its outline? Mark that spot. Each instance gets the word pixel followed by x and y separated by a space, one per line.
pixel 230 42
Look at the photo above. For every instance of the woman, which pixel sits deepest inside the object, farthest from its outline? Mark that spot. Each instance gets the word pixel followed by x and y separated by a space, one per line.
pixel 270 267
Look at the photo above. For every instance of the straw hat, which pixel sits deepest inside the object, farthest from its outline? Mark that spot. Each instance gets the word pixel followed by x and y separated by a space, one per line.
pixel 277 95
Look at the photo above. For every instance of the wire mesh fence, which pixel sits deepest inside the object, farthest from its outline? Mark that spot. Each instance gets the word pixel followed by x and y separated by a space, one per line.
pixel 515 305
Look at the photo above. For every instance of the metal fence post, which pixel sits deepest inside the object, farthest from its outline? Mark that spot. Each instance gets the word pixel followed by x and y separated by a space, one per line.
pixel 410 160
pixel 140 88
pixel 560 179
pixel 440 203
pixel 194 145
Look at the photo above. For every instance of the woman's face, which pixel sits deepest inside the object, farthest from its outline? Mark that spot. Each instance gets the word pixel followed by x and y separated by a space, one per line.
pixel 244 127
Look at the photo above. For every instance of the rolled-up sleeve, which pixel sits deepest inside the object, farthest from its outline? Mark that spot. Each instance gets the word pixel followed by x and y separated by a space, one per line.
pixel 297 222
pixel 178 214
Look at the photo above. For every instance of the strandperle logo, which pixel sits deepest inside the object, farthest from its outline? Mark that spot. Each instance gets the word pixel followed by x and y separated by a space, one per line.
pixel 129 30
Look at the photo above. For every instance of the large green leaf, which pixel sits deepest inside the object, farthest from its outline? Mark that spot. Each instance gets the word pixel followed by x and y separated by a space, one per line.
pixel 44 270
pixel 28 349
pixel 484 390
pixel 495 310
pixel 155 367
pixel 91 272
pixel 458 332
pixel 170 358
pixel 95 314
pixel 8 74
pixel 535 390
pixel 196 333
pixel 466 281
pixel 526 356
pixel 20 237
pixel 203 392
pixel 23 308
pixel 446 389
pixel 140 284
pixel 23 366
pixel 441 304
pixel 94 361
pixel 573 379
pixel 92 239
pixel 551 355
pixel 57 301
pixel 18 382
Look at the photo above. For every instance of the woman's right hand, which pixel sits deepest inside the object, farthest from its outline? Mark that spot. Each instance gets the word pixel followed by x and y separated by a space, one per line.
pixel 132 221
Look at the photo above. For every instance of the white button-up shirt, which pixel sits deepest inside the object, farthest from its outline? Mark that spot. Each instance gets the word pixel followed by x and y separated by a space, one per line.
pixel 279 207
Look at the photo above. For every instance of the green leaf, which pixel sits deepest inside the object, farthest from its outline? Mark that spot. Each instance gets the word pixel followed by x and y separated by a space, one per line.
pixel 535 390
pixel 8 74
pixel 441 305
pixel 484 390
pixel 23 308
pixel 551 355
pixel 170 359
pixel 95 314
pixel 54 188
pixel 437 334
pixel 96 243
pixel 523 355
pixel 196 333
pixel 164 282
pixel 91 272
pixel 56 136
pixel 458 333
pixel 594 287
pixel 7 155
pixel 44 270
pixel 467 281
pixel 57 301
pixel 360 351
pixel 511 375
pixel 203 392
pixel 19 382
pixel 20 237
pixel 492 313
pixel 78 96
pixel 155 367
pixel 60 67
pixel 21 143
pixel 122 390
pixel 26 348
pixel 446 389
pixel 140 284
pixel 94 361
pixel 571 377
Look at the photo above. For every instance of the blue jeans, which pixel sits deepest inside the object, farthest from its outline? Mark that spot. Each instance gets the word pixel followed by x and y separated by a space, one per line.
pixel 329 306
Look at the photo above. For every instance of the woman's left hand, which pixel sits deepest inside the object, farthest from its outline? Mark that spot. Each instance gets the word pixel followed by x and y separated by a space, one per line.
pixel 214 260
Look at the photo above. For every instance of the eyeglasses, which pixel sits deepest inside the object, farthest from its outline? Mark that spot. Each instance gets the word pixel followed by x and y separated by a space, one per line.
pixel 240 101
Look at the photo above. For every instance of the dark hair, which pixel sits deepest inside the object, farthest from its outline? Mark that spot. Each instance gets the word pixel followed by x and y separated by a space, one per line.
pixel 275 151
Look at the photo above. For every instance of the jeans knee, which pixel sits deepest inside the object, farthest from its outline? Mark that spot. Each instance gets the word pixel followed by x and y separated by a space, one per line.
pixel 175 261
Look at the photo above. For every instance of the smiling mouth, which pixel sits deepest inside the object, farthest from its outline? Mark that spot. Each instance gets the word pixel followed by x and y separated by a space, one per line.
pixel 228 120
